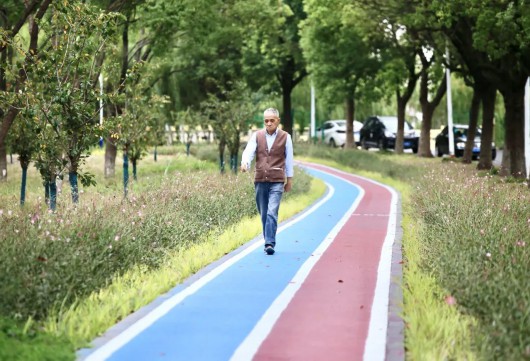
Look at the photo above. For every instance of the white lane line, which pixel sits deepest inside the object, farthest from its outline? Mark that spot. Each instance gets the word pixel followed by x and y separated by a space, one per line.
pixel 136 328
pixel 375 344
pixel 261 330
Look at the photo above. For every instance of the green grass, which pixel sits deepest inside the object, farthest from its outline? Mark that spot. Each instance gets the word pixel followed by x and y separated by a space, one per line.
pixel 86 319
pixel 180 216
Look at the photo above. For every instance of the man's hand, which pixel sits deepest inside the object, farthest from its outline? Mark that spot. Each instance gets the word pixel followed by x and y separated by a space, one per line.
pixel 287 186
pixel 244 167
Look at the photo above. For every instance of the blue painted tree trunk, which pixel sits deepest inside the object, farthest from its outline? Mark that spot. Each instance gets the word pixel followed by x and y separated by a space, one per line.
pixel 156 153
pixel 188 145
pixel 134 169
pixel 125 173
pixel 53 195
pixel 233 163
pixel 23 186
pixel 72 177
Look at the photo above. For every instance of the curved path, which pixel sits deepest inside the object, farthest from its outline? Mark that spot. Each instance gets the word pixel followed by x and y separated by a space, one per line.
pixel 324 295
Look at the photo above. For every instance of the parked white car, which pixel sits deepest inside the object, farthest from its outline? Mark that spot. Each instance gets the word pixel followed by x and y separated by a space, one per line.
pixel 334 132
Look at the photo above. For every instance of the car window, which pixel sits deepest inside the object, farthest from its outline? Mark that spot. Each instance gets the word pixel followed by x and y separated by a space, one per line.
pixel 392 122
pixel 463 131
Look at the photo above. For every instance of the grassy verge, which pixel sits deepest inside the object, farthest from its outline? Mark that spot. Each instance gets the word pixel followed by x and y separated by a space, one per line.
pixel 85 319
pixel 87 266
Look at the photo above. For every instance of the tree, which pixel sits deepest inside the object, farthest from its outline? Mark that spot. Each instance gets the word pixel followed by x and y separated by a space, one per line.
pixel 339 58
pixel 399 49
pixel 272 52
pixel 428 106
pixel 229 118
pixel 135 125
pixel 492 40
pixel 63 82
pixel 12 20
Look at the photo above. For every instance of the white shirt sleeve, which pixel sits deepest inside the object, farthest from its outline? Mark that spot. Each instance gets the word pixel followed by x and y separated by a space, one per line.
pixel 289 168
pixel 250 151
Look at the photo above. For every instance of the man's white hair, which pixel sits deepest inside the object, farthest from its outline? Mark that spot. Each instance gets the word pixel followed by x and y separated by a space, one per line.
pixel 271 111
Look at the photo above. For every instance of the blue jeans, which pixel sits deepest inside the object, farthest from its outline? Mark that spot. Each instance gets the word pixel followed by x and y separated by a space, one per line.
pixel 268 197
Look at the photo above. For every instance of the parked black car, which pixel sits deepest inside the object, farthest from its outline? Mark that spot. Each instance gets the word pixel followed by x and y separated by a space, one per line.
pixel 460 138
pixel 380 132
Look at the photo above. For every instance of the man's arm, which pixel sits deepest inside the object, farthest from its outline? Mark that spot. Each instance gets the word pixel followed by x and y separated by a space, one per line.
pixel 289 164
pixel 249 153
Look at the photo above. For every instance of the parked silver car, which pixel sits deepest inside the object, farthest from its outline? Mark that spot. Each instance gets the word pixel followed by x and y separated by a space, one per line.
pixel 333 132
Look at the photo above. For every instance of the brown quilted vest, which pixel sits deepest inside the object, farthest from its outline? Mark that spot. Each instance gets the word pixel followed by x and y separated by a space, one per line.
pixel 270 163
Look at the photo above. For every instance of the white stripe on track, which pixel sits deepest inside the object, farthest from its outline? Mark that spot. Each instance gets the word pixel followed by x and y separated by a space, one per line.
pixel 375 345
pixel 261 330
pixel 136 328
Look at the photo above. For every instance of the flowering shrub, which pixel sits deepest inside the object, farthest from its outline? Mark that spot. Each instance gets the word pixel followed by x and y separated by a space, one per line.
pixel 50 259
pixel 477 244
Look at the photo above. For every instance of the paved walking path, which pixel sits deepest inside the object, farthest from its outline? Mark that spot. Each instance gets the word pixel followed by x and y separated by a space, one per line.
pixel 327 294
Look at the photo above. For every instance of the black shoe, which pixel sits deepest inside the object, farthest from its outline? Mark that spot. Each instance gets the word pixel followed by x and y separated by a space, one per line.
pixel 269 250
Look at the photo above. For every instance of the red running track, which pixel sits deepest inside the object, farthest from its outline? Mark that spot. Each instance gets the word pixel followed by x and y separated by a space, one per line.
pixel 329 317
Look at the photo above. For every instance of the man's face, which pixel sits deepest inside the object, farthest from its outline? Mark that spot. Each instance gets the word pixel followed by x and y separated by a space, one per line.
pixel 271 122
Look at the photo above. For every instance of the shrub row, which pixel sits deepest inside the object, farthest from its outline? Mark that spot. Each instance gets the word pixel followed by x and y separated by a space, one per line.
pixel 50 259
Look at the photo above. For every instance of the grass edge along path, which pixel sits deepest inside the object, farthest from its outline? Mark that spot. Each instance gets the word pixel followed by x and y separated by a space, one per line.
pixel 435 330
pixel 92 316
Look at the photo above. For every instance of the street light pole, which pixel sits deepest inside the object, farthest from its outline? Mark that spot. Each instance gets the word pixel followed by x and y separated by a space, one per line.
pixel 449 107
pixel 527 126
pixel 313 132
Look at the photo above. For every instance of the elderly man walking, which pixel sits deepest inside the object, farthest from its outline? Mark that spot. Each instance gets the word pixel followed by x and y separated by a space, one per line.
pixel 273 150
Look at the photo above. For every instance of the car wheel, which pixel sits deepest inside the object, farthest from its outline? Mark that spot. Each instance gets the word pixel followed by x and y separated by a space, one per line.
pixel 437 151
pixel 415 150
pixel 381 144
pixel 363 144
pixel 332 143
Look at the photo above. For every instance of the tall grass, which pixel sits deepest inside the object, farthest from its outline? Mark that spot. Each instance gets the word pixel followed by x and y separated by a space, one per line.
pixel 74 272
pixel 477 236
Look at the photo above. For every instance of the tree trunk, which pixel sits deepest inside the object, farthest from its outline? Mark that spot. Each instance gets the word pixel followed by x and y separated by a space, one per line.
pixel 222 145
pixel 134 162
pixel 401 105
pixel 3 162
pixel 125 172
pixel 424 148
pixel 488 96
pixel 350 116
pixel 428 108
pixel 23 184
pixel 514 134
pixel 287 119
pixel 110 158
pixel 233 162
pixel 74 187
pixel 51 193
pixel 473 123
